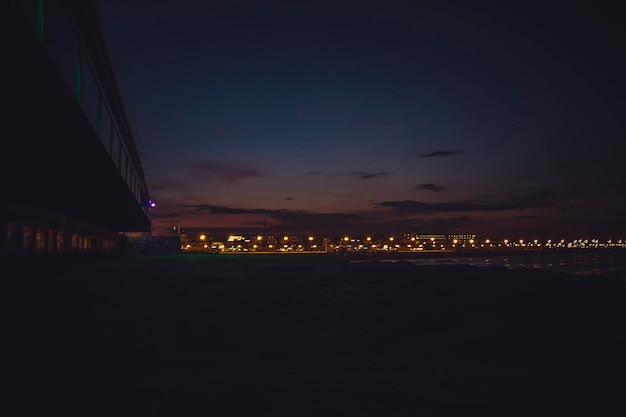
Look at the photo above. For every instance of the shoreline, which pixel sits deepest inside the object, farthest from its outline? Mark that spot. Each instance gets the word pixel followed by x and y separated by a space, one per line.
pixel 419 254
pixel 479 253
pixel 83 257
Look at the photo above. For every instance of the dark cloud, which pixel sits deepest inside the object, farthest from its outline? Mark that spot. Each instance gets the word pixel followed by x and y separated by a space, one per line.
pixel 536 196
pixel 436 225
pixel 440 153
pixel 430 187
pixel 289 219
pixel 215 170
pixel 420 207
pixel 451 225
pixel 171 214
pixel 367 175
pixel 530 217
pixel 289 198
pixel 206 208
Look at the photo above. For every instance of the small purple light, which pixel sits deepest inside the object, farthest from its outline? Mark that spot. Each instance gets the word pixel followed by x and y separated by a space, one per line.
pixel 151 203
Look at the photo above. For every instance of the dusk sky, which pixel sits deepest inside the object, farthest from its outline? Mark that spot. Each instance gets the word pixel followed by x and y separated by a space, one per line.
pixel 505 119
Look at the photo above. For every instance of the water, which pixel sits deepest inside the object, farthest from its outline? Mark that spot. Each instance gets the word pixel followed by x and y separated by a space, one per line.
pixel 592 263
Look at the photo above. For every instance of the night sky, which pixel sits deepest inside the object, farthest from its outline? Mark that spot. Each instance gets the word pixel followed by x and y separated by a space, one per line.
pixel 505 119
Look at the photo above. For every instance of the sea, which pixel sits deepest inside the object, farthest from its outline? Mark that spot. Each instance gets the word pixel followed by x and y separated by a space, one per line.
pixel 610 263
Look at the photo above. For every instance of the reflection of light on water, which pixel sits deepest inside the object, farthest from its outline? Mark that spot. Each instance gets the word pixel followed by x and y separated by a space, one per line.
pixel 581 264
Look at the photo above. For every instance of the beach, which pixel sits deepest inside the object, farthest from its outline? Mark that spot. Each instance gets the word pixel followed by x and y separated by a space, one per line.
pixel 240 335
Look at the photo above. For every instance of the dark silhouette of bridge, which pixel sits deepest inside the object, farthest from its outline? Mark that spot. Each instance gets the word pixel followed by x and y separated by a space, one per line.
pixel 71 177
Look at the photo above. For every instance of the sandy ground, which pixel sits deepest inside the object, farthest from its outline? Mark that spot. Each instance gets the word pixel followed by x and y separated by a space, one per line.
pixel 241 335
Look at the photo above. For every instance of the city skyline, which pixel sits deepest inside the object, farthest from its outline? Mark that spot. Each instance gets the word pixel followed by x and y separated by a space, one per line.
pixel 376 117
pixel 369 244
pixel 201 233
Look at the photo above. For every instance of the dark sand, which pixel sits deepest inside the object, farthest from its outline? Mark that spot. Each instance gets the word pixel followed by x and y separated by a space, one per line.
pixel 250 335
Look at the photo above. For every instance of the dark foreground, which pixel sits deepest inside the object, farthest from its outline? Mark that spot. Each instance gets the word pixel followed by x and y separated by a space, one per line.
pixel 212 335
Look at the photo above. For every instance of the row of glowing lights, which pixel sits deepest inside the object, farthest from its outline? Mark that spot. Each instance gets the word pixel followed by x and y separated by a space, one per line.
pixel 506 242
pixel 455 241
pixel 259 238
pixel 397 246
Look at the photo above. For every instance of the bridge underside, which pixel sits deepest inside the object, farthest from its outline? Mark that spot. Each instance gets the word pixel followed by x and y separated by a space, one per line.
pixel 53 165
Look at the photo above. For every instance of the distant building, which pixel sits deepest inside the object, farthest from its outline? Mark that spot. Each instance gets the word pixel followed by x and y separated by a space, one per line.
pixel 462 238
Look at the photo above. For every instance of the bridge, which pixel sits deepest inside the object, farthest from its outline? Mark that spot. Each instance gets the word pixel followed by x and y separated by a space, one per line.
pixel 71 178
